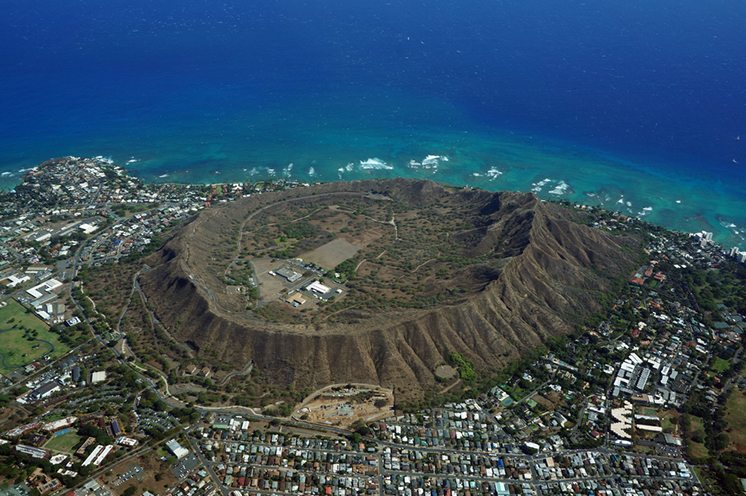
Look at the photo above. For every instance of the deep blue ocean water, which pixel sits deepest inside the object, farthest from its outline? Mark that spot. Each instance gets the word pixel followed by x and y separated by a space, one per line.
pixel 638 105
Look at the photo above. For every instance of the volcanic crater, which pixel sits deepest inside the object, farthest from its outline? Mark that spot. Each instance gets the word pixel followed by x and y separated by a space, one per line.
pixel 415 273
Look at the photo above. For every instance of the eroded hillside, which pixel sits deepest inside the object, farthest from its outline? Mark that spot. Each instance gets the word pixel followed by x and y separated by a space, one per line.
pixel 415 271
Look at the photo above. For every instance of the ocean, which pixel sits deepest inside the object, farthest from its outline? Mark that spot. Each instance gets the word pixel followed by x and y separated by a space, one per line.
pixel 639 106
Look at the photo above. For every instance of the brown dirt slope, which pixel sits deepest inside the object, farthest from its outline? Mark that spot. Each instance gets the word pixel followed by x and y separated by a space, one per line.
pixel 556 268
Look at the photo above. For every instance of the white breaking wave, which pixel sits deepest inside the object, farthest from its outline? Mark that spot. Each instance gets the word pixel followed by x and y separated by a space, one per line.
pixel 538 186
pixel 104 160
pixel 430 162
pixel 374 164
pixel 493 173
pixel 644 211
pixel 560 188
pixel 312 172
pixel 557 186
pixel 434 159
pixel 271 172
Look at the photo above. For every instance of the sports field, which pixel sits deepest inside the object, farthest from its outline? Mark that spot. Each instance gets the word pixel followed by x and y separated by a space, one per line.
pixel 64 443
pixel 24 338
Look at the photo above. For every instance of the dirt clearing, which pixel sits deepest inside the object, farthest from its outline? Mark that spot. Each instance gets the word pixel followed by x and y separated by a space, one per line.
pixel 331 254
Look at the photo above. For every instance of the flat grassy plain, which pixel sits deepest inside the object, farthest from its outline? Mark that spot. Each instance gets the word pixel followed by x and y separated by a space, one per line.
pixel 720 365
pixel 696 449
pixel 669 421
pixel 64 443
pixel 24 338
pixel 735 418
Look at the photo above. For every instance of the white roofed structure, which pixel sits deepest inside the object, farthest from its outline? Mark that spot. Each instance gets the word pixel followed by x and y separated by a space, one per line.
pixel 317 287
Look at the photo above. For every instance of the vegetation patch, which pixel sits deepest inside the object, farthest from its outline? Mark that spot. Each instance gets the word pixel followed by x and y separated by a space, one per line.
pixel 465 367
pixel 25 338
pixel 391 251
pixel 65 443
pixel 695 438
pixel 720 365
pixel 735 418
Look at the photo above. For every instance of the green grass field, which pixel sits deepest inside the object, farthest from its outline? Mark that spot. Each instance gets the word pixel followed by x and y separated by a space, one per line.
pixel 669 421
pixel 24 338
pixel 64 443
pixel 735 418
pixel 719 365
pixel 696 450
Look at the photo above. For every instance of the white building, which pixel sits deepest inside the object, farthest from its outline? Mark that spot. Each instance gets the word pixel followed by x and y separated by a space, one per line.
pixel 15 280
pixel 88 228
pixel 97 377
pixel 176 449
pixel 317 287
pixel 46 287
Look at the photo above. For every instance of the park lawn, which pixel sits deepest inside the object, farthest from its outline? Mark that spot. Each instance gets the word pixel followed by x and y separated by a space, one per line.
pixel 64 443
pixel 735 419
pixel 669 421
pixel 720 365
pixel 696 450
pixel 16 350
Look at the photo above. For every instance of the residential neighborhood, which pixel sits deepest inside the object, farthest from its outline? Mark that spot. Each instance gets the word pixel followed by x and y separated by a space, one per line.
pixel 633 404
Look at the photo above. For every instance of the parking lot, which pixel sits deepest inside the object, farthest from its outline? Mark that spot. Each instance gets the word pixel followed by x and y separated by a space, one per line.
pixel 134 472
pixel 182 468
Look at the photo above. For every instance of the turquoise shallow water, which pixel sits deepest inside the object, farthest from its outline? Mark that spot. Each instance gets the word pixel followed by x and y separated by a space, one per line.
pixel 635 105
pixel 316 142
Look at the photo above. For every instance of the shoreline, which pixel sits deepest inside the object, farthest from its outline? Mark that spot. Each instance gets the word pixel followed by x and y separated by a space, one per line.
pixel 576 188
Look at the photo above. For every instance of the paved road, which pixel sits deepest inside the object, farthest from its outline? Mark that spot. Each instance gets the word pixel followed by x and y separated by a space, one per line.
pixel 208 466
